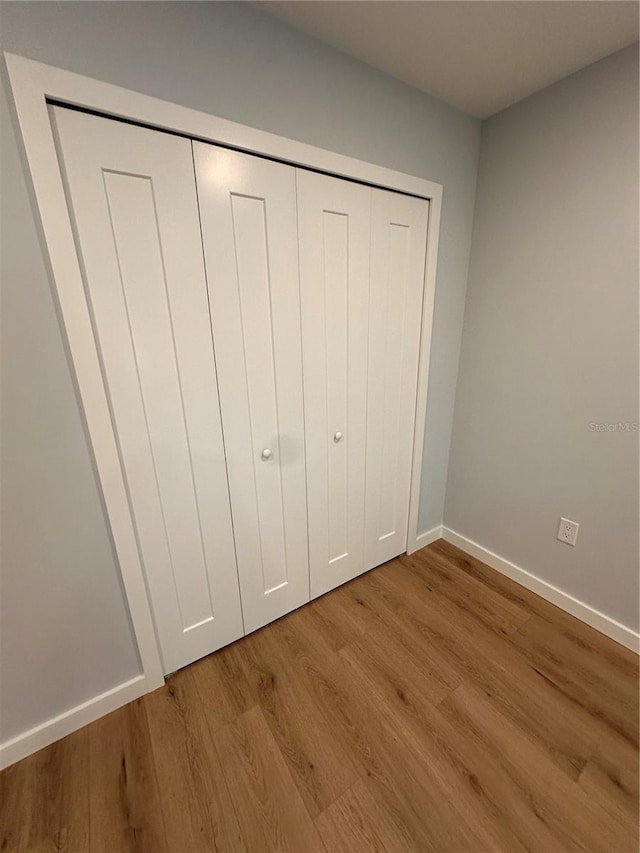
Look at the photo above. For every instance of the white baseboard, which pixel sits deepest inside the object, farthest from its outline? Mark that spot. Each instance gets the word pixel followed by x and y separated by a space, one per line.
pixel 620 633
pixel 75 718
pixel 69 721
pixel 414 543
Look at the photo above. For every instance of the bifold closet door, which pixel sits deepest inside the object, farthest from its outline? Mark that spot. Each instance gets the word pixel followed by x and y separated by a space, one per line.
pixel 133 201
pixel 334 226
pixel 362 258
pixel 398 251
pixel 248 213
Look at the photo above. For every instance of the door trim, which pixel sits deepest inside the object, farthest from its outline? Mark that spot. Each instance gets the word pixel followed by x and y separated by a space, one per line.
pixel 32 85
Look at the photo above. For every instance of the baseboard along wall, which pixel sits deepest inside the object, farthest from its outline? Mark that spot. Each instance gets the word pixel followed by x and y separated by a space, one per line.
pixel 58 727
pixel 605 624
pixel 70 721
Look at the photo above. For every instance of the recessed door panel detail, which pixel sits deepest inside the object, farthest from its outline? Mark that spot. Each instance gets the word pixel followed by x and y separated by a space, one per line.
pixel 334 225
pixel 335 233
pixel 398 245
pixel 133 221
pixel 134 204
pixel 248 212
pixel 254 290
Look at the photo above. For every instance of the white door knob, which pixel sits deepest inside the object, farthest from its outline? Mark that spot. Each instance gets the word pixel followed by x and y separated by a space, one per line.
pixel 337 437
pixel 266 454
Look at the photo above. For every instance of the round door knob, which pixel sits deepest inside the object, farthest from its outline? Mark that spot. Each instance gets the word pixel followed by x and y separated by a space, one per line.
pixel 337 437
pixel 266 454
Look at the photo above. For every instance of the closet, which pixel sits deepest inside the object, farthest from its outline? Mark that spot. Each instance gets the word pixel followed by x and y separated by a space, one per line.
pixel 259 328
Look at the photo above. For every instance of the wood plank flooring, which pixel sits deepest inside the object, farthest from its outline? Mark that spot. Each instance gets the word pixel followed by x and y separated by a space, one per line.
pixel 429 705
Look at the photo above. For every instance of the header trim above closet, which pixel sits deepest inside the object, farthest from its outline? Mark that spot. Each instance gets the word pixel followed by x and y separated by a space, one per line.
pixel 33 85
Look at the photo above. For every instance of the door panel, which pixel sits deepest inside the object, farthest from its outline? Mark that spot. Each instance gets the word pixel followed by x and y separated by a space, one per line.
pixel 134 205
pixel 334 224
pixel 248 211
pixel 398 247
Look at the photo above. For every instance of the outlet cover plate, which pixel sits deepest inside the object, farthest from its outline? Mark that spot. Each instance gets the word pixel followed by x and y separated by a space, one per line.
pixel 568 531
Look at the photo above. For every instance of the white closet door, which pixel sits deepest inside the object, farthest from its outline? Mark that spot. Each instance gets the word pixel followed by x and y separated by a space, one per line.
pixel 133 198
pixel 248 211
pixel 398 247
pixel 334 225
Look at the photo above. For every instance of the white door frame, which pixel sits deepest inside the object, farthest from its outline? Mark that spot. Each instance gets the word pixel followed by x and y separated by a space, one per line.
pixel 32 85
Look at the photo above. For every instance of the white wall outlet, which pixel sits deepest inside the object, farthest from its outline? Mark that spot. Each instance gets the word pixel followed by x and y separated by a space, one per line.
pixel 568 531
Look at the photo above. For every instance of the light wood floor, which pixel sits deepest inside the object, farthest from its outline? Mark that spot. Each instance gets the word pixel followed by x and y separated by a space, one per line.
pixel 429 705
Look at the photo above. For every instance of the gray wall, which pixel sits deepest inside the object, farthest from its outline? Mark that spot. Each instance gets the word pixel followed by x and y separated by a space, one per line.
pixel 64 630
pixel 550 342
pixel 64 619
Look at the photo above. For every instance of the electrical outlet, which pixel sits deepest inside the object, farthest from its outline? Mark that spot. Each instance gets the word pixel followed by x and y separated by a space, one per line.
pixel 568 531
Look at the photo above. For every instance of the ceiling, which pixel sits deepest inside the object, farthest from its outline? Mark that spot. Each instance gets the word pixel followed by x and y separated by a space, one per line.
pixel 477 55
